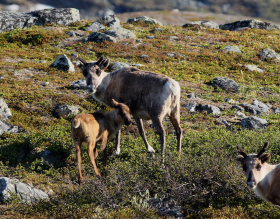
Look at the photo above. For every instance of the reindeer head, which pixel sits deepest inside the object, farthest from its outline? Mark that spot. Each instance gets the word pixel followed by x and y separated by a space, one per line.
pixel 94 72
pixel 253 165
pixel 123 112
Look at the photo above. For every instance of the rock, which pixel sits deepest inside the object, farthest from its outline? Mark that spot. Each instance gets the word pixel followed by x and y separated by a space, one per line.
pixel 96 27
pixel 118 65
pixel 8 128
pixel 151 37
pixel 239 25
pixel 49 158
pixel 191 106
pixel 62 16
pixel 5 112
pixel 157 30
pixel 208 108
pixel 174 38
pixel 240 115
pixel 101 37
pixel 27 194
pixel 80 84
pixel 209 24
pixel 109 21
pixel 45 83
pixel 105 12
pixel 66 111
pixel 191 95
pixel 12 20
pixel 269 54
pixel 63 63
pixel 144 56
pixel 143 19
pixel 120 33
pixel 234 49
pixel 226 84
pixel 254 68
pixel 229 100
pixel 1 77
pixel 254 122
pixel 263 108
pixel 257 107
pixel 239 108
pixel 277 110
pixel 76 33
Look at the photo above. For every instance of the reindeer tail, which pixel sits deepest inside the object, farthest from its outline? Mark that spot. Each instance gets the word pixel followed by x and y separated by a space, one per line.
pixel 76 123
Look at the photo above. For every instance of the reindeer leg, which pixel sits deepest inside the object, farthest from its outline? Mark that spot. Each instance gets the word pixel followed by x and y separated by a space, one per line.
pixel 175 120
pixel 140 127
pixel 79 160
pixel 159 127
pixel 118 143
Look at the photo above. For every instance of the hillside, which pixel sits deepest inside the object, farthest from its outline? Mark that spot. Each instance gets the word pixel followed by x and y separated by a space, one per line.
pixel 206 182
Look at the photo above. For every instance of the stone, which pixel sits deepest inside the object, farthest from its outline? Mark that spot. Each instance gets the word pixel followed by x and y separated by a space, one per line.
pixel 263 108
pixel 174 38
pixel 80 84
pixel 10 188
pixel 50 158
pixel 269 54
pixel 118 65
pixel 230 100
pixel 96 27
pixel 143 19
pixel 191 95
pixel 191 106
pixel 5 127
pixel 209 24
pixel 120 33
pixel 105 12
pixel 76 33
pixel 144 56
pixel 254 68
pixel 109 20
pixel 234 49
pixel 5 112
pixel 63 63
pixel 254 122
pixel 257 24
pixel 257 107
pixel 239 108
pixel 277 110
pixel 226 84
pixel 208 108
pixel 151 37
pixel 157 30
pixel 66 111
pixel 240 115
pixel 62 16
pixel 101 37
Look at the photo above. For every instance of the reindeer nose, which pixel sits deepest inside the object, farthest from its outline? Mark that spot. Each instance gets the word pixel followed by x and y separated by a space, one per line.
pixel 251 184
pixel 90 89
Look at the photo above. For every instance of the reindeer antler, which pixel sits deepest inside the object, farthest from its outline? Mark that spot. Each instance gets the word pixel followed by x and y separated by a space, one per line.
pixel 241 151
pixel 266 144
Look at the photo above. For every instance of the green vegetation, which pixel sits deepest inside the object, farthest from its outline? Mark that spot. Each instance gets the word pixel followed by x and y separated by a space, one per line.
pixel 207 181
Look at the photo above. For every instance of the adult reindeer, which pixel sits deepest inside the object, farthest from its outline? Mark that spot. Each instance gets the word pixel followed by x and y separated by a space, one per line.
pixel 148 95
pixel 262 177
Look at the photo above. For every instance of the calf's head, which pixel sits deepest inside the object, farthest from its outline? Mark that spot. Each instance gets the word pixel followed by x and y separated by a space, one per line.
pixel 123 112
pixel 253 165
pixel 94 72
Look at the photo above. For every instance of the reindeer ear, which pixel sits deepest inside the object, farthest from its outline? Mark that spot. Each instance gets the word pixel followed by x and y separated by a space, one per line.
pixel 240 158
pixel 115 103
pixel 265 157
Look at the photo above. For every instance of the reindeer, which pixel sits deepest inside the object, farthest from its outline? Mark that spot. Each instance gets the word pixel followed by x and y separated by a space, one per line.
pixel 99 126
pixel 262 177
pixel 148 95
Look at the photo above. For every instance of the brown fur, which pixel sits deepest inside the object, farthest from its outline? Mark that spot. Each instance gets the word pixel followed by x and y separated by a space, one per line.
pixel 99 126
pixel 149 96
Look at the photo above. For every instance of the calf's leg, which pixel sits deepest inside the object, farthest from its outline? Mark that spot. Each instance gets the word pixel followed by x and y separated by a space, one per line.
pixel 91 149
pixel 79 159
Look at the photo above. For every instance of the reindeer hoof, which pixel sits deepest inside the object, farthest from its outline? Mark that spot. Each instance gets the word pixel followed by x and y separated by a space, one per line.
pixel 151 150
pixel 117 152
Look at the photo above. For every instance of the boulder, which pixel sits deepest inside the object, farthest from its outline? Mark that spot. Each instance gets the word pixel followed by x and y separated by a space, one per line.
pixel 234 49
pixel 244 24
pixel 10 188
pixel 269 54
pixel 253 122
pixel 226 84
pixel 208 108
pixel 143 19
pixel 257 107
pixel 6 127
pixel 209 24
pixel 62 16
pixel 63 63
pixel 5 112
pixel 65 111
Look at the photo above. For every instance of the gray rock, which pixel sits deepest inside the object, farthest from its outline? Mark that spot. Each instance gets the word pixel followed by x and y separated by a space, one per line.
pixel 208 108
pixel 118 65
pixel 238 25
pixel 174 38
pixel 8 128
pixel 151 37
pixel 226 84
pixel 144 56
pixel 120 33
pixel 209 24
pixel 157 30
pixel 264 108
pixel 50 158
pixel 66 111
pixel 96 27
pixel 191 95
pixel 234 49
pixel 63 63
pixel 191 106
pixel 101 37
pixel 5 112
pixel 230 100
pixel 76 33
pixel 240 115
pixel 277 110
pixel 80 84
pixel 254 68
pixel 27 194
pixel 143 19
pixel 253 122
pixel 62 16
pixel 269 54
pixel 105 12
pixel 109 21
pixel 239 108
pixel 257 107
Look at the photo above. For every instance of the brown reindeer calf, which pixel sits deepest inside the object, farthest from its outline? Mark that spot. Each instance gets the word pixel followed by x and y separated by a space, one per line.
pixel 99 126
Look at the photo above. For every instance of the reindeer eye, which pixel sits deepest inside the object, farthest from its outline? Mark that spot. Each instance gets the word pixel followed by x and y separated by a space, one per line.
pixel 258 167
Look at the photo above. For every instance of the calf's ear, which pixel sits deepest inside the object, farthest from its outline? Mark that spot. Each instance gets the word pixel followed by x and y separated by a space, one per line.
pixel 265 157
pixel 115 103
